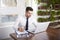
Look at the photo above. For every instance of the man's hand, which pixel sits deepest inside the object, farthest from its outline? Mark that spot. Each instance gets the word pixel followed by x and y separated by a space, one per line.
pixel 21 29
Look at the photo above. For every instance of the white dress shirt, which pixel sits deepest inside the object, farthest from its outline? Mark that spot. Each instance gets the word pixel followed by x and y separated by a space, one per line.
pixel 21 22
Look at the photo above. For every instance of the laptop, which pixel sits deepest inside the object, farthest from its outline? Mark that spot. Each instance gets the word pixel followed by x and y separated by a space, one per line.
pixel 41 27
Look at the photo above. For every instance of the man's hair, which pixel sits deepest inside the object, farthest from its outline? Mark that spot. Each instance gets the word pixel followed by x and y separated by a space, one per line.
pixel 29 9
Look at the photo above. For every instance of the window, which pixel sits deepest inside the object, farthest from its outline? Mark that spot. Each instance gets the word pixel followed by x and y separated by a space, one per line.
pixel 8 3
pixel 8 18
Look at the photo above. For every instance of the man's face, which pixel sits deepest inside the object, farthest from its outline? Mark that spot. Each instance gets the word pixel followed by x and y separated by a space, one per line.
pixel 28 13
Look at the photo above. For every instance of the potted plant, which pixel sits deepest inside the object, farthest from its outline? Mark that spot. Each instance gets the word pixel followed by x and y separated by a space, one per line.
pixel 38 1
pixel 42 19
pixel 39 13
pixel 54 3
pixel 58 13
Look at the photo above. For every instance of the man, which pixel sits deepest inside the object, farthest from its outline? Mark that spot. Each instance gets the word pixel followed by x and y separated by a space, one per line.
pixel 26 22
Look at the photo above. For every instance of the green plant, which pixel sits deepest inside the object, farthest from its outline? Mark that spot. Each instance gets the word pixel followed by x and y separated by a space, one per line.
pixel 42 13
pixel 57 18
pixel 53 2
pixel 52 13
pixel 38 1
pixel 43 6
pixel 39 12
pixel 51 18
pixel 58 13
pixel 51 5
pixel 42 19
pixel 44 1
pixel 57 1
pixel 46 19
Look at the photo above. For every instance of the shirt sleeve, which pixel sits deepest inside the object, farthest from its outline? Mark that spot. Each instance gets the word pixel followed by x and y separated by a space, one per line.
pixel 34 22
pixel 33 25
pixel 17 22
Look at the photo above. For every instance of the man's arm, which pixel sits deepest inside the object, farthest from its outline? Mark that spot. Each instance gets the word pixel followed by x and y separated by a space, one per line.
pixel 32 27
pixel 17 22
pixel 34 23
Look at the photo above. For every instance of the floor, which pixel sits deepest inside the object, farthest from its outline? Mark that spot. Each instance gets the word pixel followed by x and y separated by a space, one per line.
pixel 50 34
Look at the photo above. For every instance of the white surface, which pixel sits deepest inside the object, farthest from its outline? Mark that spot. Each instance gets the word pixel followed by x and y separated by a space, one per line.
pixel 21 32
pixel 4 32
pixel 7 24
pixel 42 27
